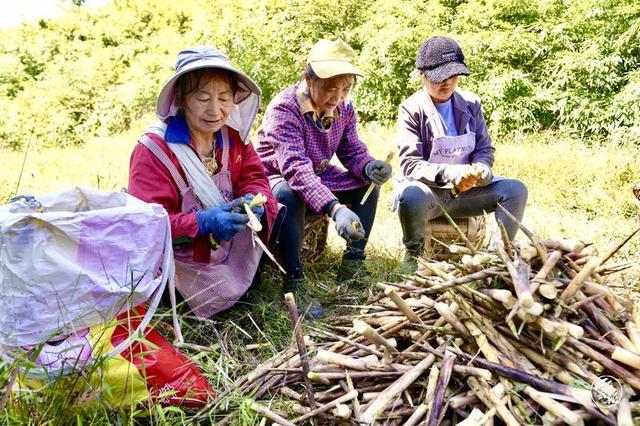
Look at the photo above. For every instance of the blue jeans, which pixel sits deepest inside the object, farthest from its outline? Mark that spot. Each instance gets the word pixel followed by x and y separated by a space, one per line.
pixel 292 231
pixel 419 203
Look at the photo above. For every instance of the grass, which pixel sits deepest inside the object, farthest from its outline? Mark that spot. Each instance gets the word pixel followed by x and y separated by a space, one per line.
pixel 576 189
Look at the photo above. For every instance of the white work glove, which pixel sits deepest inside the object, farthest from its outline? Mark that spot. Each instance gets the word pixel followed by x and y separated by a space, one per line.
pixel 348 224
pixel 453 173
pixel 484 173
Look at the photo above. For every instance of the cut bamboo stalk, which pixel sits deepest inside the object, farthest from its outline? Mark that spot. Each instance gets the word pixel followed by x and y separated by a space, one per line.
pixel 298 409
pixel 378 405
pixel 326 377
pixel 476 276
pixel 545 270
pixel 264 411
pixel 326 407
pixel 489 399
pixel 354 402
pixel 346 361
pixel 503 296
pixel 634 334
pixel 402 305
pixel 348 341
pixel 254 346
pixel 548 291
pixel 624 416
pixel 487 419
pixel 417 415
pixel 568 245
pixel 506 243
pixel 472 371
pixel 599 289
pixel 474 418
pixel 290 393
pixel 595 289
pixel 432 383
pixel 536 309
pixel 261 369
pixel 365 330
pixel 617 247
pixel 302 348
pixel 483 343
pixel 437 407
pixel 521 284
pixel 577 305
pixel 600 319
pixel 330 394
pixel 462 400
pixel 542 251
pixel 341 411
pixel 558 410
pixel 527 252
pixel 616 352
pixel 446 312
pixel 635 315
pixel 577 282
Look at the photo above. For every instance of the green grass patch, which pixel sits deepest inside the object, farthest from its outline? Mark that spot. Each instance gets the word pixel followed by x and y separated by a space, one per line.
pixel 576 189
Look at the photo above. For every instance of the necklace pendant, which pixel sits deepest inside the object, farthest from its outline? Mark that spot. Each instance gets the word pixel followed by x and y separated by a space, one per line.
pixel 211 165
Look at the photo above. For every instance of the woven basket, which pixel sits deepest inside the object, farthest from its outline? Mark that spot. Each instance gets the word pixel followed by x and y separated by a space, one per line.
pixel 316 230
pixel 439 229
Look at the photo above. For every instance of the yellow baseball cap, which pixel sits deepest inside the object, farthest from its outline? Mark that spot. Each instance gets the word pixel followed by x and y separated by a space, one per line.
pixel 330 58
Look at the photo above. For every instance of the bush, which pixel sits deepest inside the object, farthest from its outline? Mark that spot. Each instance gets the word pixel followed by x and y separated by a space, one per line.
pixel 536 65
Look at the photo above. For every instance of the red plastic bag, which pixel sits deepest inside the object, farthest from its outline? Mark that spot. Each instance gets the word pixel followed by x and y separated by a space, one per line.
pixel 170 377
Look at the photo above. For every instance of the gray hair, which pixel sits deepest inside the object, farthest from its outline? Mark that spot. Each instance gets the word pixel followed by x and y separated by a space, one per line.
pixel 308 71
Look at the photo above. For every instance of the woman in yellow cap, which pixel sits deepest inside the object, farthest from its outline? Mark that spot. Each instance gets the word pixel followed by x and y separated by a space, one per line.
pixel 303 127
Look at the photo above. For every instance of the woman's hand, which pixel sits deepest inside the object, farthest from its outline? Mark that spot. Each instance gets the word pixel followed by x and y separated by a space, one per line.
pixel 221 222
pixel 348 224
pixel 258 210
pixel 378 171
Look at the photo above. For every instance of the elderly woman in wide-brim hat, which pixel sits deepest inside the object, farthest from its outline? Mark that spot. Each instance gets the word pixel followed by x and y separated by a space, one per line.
pixel 304 126
pixel 198 163
pixel 445 151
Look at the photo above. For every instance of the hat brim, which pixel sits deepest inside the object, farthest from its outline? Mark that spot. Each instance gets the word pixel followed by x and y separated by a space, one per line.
pixel 328 69
pixel 446 71
pixel 164 104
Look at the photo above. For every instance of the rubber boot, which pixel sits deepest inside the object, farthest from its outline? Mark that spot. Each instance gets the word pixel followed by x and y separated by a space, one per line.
pixel 351 269
pixel 410 263
pixel 306 304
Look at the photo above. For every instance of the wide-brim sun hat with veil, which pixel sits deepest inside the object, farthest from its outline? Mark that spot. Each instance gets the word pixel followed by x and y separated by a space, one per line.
pixel 246 100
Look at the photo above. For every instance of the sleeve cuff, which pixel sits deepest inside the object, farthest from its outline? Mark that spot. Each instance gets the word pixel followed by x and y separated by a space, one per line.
pixel 329 207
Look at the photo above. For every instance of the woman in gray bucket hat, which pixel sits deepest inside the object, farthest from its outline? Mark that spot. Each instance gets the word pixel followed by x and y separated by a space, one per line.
pixel 197 162
pixel 445 152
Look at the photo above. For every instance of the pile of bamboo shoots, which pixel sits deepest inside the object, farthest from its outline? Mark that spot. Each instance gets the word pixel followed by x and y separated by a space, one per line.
pixel 516 334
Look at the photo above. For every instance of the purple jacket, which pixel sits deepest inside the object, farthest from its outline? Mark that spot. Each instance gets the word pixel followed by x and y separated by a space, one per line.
pixel 415 135
pixel 292 148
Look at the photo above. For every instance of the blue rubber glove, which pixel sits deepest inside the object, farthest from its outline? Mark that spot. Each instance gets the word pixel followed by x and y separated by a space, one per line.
pixel 378 171
pixel 348 224
pixel 29 200
pixel 221 222
pixel 257 210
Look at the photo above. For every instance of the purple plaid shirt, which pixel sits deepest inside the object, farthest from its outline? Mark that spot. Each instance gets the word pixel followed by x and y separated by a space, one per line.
pixel 294 149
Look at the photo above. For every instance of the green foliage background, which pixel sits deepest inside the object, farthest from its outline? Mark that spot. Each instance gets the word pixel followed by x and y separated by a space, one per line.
pixel 547 64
